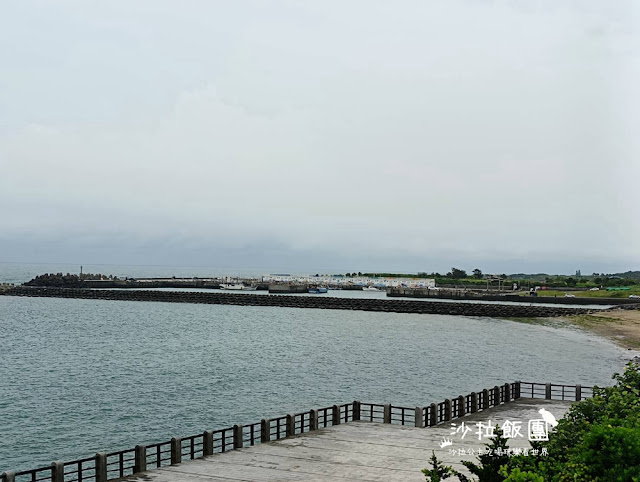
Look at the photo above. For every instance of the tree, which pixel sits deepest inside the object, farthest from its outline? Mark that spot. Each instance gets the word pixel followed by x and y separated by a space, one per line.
pixel 598 438
pixel 456 273
pixel 438 471
pixel 492 466
pixel 477 274
pixel 489 463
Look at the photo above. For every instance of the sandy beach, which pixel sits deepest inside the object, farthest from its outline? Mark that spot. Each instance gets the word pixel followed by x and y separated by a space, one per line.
pixel 621 326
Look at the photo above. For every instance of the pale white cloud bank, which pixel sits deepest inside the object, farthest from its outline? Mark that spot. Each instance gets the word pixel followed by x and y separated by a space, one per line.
pixel 383 134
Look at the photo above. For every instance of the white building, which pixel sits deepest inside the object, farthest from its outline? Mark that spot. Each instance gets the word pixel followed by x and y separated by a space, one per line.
pixel 357 280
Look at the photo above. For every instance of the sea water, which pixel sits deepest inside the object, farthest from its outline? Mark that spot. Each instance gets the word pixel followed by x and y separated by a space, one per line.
pixel 82 376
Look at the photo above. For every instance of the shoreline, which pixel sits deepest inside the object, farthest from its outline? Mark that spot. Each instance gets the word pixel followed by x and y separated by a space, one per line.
pixel 620 326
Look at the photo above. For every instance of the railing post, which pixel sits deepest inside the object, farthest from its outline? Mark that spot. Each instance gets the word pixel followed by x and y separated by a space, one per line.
pixel 474 402
pixel 386 413
pixel 578 393
pixel 140 459
pixel 101 467
pixel 485 399
pixel 335 415
pixel 447 410
pixel 265 430
pixel 238 439
pixel 290 425
pixel 176 450
pixel 433 415
pixel 507 392
pixel 207 442
pixel 57 472
pixel 419 417
pixel 356 410
pixel 547 391
pixel 496 395
pixel 516 395
pixel 313 419
pixel 462 406
pixel 8 476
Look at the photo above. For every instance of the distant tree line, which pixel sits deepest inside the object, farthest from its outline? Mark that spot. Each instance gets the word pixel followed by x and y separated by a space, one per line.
pixel 460 276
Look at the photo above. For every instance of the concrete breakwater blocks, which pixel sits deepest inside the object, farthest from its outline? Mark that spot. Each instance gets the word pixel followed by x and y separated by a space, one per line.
pixel 327 303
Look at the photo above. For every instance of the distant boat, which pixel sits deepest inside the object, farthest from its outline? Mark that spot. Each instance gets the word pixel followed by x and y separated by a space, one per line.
pixel 317 290
pixel 237 287
pixel 370 288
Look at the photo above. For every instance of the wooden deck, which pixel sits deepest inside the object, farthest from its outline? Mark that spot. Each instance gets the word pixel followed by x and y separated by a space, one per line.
pixel 360 451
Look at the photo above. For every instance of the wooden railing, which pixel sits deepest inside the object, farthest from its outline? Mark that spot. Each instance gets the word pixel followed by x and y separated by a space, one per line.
pixel 114 465
pixel 550 391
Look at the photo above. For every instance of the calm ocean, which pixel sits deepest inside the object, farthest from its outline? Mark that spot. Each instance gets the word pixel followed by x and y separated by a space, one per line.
pixel 81 376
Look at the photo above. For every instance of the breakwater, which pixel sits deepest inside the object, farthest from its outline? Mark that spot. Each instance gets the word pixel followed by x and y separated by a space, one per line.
pixel 328 303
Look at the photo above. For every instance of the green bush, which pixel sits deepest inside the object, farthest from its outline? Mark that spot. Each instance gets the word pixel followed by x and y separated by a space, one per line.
pixel 598 440
pixel 438 471
pixel 608 453
pixel 517 476
pixel 489 467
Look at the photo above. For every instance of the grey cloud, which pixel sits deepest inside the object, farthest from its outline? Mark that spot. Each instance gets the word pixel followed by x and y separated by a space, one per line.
pixel 405 134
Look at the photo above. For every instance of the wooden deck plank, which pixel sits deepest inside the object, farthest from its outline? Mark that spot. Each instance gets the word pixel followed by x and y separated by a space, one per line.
pixel 356 451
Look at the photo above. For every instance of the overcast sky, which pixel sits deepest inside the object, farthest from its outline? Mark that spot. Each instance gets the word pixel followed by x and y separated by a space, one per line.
pixel 311 135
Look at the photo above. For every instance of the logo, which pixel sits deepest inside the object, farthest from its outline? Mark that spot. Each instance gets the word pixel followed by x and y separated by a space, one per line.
pixel 548 417
pixel 538 430
pixel 445 443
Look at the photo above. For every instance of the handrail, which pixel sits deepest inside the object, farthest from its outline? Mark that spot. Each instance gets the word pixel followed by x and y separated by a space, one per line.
pixel 107 466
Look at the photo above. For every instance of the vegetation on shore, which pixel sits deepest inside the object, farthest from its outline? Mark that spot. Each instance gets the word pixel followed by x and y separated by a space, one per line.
pixel 609 285
pixel 601 293
pixel 598 440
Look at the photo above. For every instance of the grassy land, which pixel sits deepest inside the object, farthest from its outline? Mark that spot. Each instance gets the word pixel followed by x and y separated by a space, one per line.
pixel 635 290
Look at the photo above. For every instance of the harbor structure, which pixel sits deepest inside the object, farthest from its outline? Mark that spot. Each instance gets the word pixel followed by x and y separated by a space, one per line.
pixel 462 308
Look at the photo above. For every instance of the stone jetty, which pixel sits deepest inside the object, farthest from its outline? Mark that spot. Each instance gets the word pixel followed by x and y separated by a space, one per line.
pixel 327 303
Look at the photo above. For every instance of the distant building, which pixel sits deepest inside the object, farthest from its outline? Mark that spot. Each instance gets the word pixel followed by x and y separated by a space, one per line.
pixel 355 280
pixel 277 278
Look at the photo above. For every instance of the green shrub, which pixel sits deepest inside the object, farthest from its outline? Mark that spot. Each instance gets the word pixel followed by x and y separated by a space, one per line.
pixel 438 471
pixel 598 440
